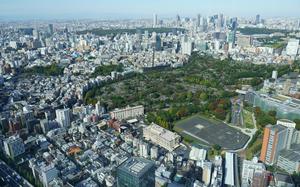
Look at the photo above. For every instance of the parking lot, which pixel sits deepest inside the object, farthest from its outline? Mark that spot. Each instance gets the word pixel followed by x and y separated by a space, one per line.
pixel 212 132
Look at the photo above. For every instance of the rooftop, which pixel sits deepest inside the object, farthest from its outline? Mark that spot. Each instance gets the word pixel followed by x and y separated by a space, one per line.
pixel 136 166
pixel 164 133
pixel 292 155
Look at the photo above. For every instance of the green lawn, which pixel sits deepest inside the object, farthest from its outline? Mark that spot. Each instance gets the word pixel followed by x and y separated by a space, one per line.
pixel 247 115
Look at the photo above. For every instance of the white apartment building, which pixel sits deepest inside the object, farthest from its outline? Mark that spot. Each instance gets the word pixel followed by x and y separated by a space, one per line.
pixel 63 117
pixel 163 137
pixel 128 112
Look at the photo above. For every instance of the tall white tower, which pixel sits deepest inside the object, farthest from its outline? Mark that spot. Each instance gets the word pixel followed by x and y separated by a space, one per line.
pixel 63 117
pixel 155 21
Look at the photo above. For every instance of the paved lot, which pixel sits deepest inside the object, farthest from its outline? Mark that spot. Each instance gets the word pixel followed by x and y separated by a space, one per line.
pixel 213 132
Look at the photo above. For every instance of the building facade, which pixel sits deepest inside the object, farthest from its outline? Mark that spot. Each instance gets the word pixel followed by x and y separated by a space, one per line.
pixel 274 141
pixel 289 160
pixel 249 169
pixel 48 173
pixel 14 146
pixel 63 117
pixel 128 112
pixel 163 137
pixel 136 172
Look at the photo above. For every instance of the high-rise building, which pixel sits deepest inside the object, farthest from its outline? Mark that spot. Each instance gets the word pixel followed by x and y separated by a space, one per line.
pixel 260 178
pixel 136 172
pixel 14 146
pixel 296 137
pixel 220 22
pixel 98 108
pixel 50 29
pixel 283 180
pixel 48 173
pixel 154 152
pixel 274 74
pixel 206 173
pixel 157 43
pixel 155 20
pixel 292 47
pixel 274 140
pixel 63 117
pixel 249 169
pixel 290 126
pixel 289 160
pixel 198 21
pixel 257 19
pixel 144 149
pixel 36 34
pixel 186 46
pixel 177 20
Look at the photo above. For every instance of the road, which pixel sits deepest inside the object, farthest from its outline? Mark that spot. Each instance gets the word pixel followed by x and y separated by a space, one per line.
pixel 11 178
pixel 251 133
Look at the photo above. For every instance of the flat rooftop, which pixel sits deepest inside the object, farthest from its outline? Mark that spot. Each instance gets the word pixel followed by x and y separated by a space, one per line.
pixel 136 166
pixel 212 132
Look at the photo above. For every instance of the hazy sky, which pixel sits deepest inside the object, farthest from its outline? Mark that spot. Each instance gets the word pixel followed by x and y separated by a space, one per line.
pixel 66 9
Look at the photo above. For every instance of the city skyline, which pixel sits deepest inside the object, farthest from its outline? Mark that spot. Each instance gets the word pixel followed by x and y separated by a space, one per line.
pixel 140 93
pixel 116 9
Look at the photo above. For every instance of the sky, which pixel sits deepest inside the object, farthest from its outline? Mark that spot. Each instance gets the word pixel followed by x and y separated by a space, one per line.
pixel 115 9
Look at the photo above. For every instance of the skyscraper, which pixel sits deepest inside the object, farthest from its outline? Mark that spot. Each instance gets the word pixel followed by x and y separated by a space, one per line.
pixel 290 127
pixel 136 172
pixel 63 117
pixel 50 29
pixel 155 20
pixel 98 108
pixel 177 20
pixel 257 19
pixel 274 140
pixel 186 46
pixel 198 20
pixel 157 43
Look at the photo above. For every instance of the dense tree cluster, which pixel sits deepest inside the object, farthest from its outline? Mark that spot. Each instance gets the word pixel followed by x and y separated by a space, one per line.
pixel 204 85
pixel 255 30
pixel 264 118
pixel 106 70
pixel 51 70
